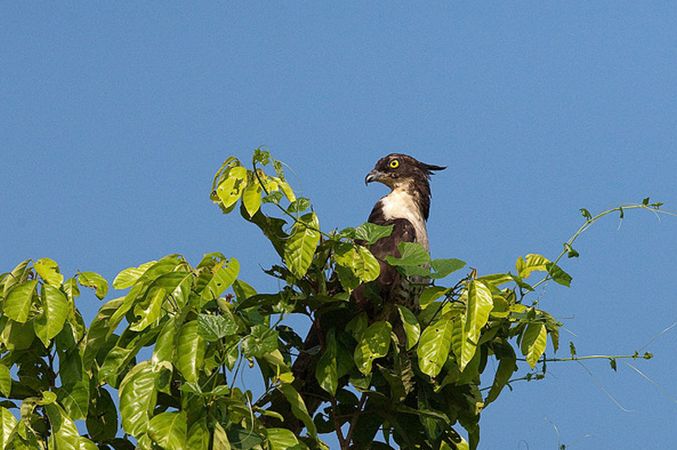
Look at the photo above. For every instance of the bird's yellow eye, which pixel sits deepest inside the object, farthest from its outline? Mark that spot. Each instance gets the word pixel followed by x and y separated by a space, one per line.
pixel 394 164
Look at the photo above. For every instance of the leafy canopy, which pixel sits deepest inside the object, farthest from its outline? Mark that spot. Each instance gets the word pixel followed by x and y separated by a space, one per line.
pixel 411 379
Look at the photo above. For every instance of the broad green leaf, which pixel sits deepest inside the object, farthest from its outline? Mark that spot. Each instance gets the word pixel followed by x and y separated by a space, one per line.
pixel 298 407
pixel 150 311
pixel 412 330
pixel 48 269
pixel 225 274
pixel 534 339
pixel 75 399
pixel 165 346
pixel 370 233
pixel 506 367
pixel 430 294
pixel 129 276
pixel 374 343
pixel 95 281
pixel 168 430
pixel 5 381
pixel 559 275
pixel 99 329
pixel 299 205
pixel 411 254
pixel 190 351
pixel 281 439
pixel 7 424
pixel 300 247
pixel 102 417
pixel 198 435
pixel 261 156
pixel 286 188
pixel 251 198
pixel 444 267
pixel 261 340
pixel 16 335
pixel 478 306
pixel 357 325
pixel 214 327
pixel 326 371
pixel 221 441
pixel 433 347
pixel 360 261
pixel 531 263
pixel 231 188
pixel 19 300
pixel 137 398
pixel 55 309
pixel 65 435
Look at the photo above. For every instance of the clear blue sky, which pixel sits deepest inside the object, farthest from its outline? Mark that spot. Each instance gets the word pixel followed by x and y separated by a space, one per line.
pixel 113 119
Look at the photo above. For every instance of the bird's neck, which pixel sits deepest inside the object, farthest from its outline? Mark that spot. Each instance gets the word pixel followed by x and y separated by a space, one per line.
pixel 405 202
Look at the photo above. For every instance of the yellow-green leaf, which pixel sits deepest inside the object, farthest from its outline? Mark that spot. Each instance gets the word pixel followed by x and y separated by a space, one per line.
pixel 251 198
pixel 412 330
pixel 433 347
pixel 19 300
pixel 95 281
pixel 374 343
pixel 533 342
pixel 5 381
pixel 55 308
pixel 137 398
pixel 48 269
pixel 231 188
pixel 128 277
pixel 300 247
pixel 190 351
pixel 531 263
pixel 168 430
pixel 281 438
pixel 7 424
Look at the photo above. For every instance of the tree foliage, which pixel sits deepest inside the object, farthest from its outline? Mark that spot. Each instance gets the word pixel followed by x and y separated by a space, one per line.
pixel 410 379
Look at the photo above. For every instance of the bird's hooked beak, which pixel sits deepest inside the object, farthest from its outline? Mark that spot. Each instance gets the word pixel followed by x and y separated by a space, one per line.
pixel 374 175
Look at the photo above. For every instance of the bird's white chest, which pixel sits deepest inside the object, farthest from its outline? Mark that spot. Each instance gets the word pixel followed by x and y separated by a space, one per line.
pixel 399 204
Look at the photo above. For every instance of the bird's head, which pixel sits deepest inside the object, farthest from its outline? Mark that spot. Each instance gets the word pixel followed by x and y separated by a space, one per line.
pixel 399 170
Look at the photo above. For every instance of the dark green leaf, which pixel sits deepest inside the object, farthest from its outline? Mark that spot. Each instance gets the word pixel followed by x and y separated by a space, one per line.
pixel 326 371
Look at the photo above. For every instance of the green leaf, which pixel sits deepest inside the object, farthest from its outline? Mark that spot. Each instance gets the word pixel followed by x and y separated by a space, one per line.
pixel 479 303
pixel 65 435
pixel 444 267
pixel 75 399
pixel 585 213
pixel 299 205
pixel 55 309
pixel 137 398
pixel 412 330
pixel 534 339
pixel 7 424
pixel 95 281
pixel 360 261
pixel 300 247
pixel 531 263
pixel 433 347
pixel 557 274
pixel 298 407
pixel 507 365
pixel 48 269
pixel 261 340
pixel 199 436
pixel 326 371
pixel 430 294
pixel 5 381
pixel 190 351
pixel 149 311
pixel 168 430
pixel 411 254
pixel 19 300
pixel 231 188
pixel 288 191
pixel 281 438
pixel 221 441
pixel 374 343
pixel 370 233
pixel 225 273
pixel 129 276
pixel 214 327
pixel 251 198
pixel 102 417
pixel 357 325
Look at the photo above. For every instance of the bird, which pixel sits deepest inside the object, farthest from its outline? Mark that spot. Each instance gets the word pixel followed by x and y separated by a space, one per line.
pixel 407 208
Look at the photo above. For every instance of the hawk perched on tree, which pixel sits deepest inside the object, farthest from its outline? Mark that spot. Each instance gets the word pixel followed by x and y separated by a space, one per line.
pixel 406 208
